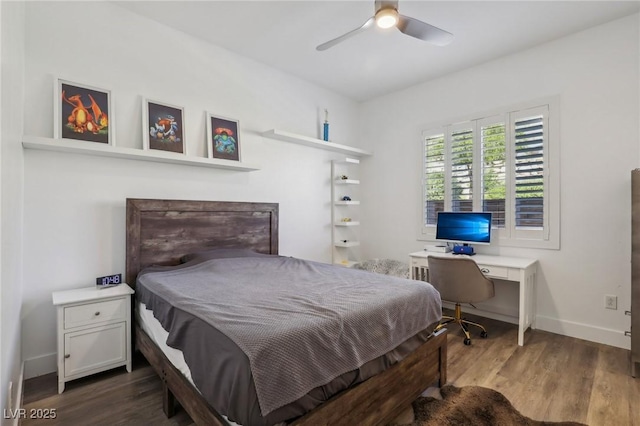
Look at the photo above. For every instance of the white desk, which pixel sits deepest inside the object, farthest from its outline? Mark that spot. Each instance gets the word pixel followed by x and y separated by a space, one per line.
pixel 516 269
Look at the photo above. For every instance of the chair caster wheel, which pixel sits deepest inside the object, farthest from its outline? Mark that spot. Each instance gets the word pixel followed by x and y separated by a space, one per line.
pixel 483 334
pixel 467 342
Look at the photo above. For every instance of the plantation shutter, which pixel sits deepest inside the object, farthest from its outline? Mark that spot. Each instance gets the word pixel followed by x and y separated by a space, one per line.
pixel 462 169
pixel 529 170
pixel 501 163
pixel 494 165
pixel 434 149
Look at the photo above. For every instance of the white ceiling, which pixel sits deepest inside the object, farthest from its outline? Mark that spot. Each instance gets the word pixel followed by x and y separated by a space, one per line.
pixel 284 34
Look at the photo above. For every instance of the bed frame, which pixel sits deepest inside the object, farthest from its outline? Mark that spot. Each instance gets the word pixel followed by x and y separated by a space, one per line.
pixel 159 232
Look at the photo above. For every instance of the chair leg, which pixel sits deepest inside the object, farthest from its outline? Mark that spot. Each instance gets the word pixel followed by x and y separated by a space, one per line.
pixel 447 320
pixel 474 323
pixel 463 324
pixel 465 330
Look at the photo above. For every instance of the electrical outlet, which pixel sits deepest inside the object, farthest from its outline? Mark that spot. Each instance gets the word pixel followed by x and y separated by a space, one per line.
pixel 610 301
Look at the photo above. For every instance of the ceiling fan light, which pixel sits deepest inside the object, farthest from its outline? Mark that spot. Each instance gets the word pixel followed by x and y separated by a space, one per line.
pixel 386 18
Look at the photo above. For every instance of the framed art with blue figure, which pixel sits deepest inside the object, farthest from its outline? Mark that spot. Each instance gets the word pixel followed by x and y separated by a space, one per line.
pixel 223 140
pixel 163 127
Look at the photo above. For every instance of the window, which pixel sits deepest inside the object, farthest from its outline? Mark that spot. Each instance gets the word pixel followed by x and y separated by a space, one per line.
pixel 501 163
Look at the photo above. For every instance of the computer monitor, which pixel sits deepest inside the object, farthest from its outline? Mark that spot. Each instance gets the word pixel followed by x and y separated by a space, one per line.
pixel 464 227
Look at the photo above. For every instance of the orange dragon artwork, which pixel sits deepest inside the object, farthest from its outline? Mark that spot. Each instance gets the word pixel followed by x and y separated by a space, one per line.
pixel 83 119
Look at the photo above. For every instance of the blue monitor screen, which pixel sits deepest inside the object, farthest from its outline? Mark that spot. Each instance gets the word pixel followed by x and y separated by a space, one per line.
pixel 466 227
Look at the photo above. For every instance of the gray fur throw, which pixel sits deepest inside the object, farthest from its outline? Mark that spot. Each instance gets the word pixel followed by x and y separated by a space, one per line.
pixel 385 266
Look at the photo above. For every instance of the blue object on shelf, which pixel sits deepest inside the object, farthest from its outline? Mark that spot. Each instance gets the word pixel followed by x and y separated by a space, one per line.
pixel 325 131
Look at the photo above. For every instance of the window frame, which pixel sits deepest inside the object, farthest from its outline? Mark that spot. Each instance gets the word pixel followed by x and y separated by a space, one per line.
pixel 509 236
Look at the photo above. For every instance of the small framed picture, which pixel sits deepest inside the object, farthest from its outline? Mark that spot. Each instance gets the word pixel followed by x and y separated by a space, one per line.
pixel 163 127
pixel 223 138
pixel 82 112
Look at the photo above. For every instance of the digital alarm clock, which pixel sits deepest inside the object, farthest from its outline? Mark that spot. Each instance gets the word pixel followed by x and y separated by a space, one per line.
pixel 109 280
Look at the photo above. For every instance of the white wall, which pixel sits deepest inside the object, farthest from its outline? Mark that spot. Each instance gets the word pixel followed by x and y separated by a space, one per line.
pixel 11 211
pixel 596 75
pixel 74 213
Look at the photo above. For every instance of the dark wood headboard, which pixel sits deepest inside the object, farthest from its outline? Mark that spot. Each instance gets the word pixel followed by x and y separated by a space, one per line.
pixel 160 232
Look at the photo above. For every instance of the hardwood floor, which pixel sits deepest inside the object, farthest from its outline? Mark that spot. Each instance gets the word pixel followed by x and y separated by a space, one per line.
pixel 551 378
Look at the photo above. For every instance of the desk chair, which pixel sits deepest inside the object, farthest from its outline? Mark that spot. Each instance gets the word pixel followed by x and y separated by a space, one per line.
pixel 459 280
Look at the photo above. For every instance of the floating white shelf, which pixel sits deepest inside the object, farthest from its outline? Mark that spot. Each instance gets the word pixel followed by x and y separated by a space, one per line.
pixel 316 143
pixel 354 223
pixel 347 244
pixel 347 182
pixel 93 148
pixel 347 203
pixel 348 160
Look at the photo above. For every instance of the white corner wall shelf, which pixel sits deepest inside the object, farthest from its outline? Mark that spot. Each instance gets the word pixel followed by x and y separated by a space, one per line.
pixel 345 231
pixel 92 148
pixel 315 143
pixel 347 244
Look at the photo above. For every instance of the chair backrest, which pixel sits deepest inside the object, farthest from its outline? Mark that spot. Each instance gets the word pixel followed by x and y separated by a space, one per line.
pixel 459 280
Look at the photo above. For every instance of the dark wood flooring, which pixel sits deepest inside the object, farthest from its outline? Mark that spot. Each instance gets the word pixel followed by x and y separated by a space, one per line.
pixel 551 378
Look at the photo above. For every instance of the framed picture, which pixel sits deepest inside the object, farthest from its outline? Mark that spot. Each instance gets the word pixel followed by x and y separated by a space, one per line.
pixel 223 138
pixel 163 127
pixel 82 113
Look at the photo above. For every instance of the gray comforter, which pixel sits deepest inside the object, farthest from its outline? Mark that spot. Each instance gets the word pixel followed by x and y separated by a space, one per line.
pixel 300 323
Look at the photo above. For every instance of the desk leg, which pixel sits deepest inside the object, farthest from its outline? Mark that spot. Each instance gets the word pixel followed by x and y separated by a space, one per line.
pixel 531 275
pixel 522 311
pixel 527 302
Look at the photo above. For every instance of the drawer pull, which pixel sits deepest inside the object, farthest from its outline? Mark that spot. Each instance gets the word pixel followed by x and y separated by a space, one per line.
pixel 67 356
pixel 485 270
pixel 627 333
pixel 97 313
pixel 627 313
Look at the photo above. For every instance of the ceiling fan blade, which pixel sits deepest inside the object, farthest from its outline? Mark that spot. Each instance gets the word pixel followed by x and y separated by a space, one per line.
pixel 331 43
pixel 423 31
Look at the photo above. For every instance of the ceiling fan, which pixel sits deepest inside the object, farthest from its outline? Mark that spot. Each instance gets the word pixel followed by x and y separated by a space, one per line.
pixel 387 16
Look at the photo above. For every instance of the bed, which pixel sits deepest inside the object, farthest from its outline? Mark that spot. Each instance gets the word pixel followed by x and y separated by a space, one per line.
pixel 161 232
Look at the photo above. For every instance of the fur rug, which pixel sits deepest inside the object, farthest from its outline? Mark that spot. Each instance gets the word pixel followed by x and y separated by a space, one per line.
pixel 471 405
pixel 385 266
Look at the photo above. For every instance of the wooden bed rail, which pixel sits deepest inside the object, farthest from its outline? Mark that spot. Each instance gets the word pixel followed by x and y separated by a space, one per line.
pixel 377 401
pixel 383 397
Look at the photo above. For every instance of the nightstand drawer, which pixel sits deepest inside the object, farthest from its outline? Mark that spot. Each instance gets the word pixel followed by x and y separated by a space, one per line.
pixel 96 312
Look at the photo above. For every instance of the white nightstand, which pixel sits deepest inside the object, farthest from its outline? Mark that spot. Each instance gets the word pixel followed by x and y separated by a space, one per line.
pixel 94 331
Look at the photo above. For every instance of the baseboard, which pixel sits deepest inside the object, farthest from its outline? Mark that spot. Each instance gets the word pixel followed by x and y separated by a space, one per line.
pixel 19 394
pixel 588 332
pixel 40 365
pixel 13 413
pixel 500 313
